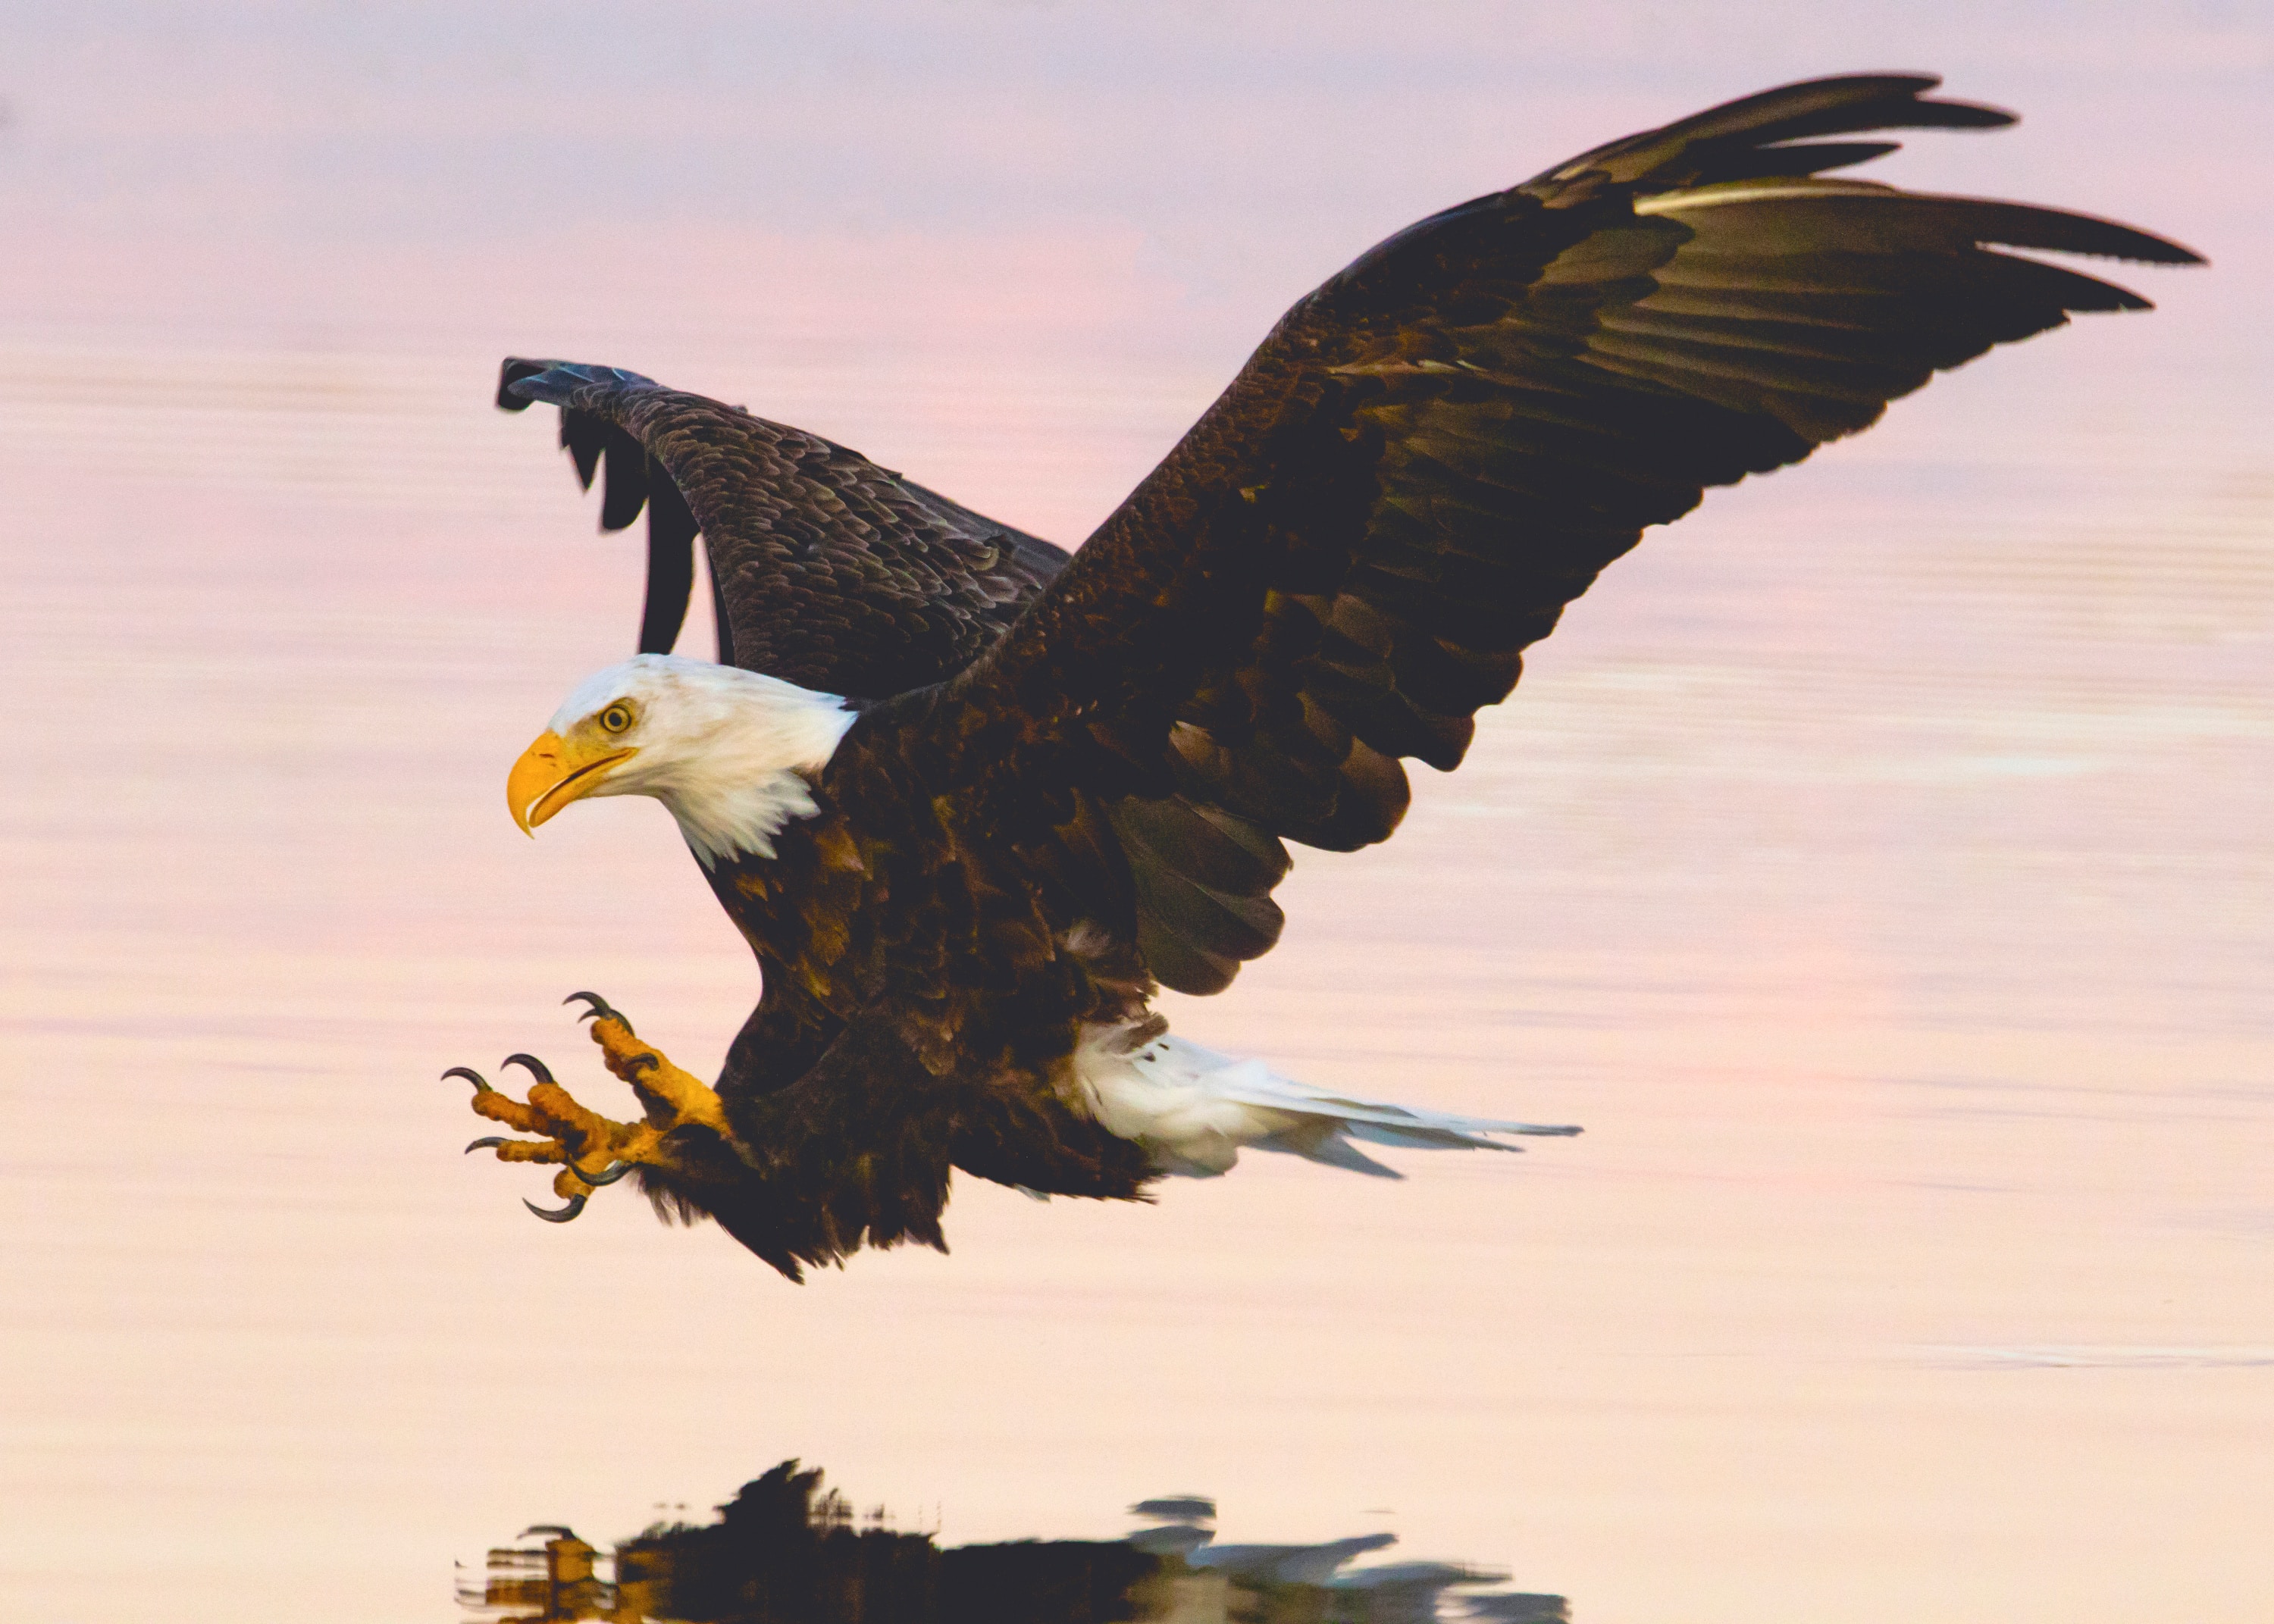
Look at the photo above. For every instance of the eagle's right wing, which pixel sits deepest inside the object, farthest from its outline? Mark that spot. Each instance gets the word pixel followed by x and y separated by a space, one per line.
pixel 1437 450
pixel 827 570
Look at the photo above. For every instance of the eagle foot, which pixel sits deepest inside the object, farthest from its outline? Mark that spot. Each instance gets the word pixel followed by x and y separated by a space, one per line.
pixel 593 1150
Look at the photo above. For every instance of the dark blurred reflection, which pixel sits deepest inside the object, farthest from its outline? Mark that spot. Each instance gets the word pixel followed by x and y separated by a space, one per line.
pixel 787 1551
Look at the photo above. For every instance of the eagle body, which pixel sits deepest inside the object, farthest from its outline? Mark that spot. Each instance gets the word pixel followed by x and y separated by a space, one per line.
pixel 983 949
pixel 972 800
pixel 940 951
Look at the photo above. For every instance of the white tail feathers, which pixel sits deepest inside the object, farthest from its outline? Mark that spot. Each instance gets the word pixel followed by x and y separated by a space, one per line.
pixel 1195 1109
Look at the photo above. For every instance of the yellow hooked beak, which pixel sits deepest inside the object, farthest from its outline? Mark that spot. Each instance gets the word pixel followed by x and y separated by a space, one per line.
pixel 554 772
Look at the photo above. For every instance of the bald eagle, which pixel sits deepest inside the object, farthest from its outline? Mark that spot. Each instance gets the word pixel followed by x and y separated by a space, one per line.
pixel 971 801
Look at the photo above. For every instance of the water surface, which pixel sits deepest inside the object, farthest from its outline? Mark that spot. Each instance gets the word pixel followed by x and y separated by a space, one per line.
pixel 1876 863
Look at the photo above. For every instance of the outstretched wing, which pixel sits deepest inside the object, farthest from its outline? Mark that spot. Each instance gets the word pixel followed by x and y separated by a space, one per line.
pixel 827 570
pixel 1440 447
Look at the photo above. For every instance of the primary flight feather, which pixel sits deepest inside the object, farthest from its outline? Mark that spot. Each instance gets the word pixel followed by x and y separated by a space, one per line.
pixel 971 801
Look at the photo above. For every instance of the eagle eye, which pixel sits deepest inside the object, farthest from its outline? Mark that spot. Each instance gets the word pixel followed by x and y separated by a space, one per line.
pixel 616 718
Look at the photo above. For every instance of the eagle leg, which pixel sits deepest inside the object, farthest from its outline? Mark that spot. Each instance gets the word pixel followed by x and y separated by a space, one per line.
pixel 671 1097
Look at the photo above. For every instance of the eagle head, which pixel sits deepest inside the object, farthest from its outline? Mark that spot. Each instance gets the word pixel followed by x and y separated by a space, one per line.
pixel 733 754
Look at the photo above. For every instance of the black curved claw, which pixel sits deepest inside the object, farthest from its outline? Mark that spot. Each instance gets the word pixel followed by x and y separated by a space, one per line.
pixel 535 1067
pixel 491 1143
pixel 560 1216
pixel 471 1076
pixel 599 1007
pixel 607 1174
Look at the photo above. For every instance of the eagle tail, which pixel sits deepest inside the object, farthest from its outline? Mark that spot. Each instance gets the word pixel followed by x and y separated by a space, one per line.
pixel 1195 1109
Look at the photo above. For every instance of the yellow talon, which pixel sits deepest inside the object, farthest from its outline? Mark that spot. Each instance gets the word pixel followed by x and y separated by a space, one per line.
pixel 687 1097
pixel 576 1137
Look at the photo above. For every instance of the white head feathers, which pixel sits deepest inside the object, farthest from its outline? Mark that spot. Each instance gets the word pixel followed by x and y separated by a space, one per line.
pixel 730 752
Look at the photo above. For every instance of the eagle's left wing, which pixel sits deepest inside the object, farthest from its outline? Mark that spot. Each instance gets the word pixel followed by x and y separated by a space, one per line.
pixel 1434 453
pixel 826 570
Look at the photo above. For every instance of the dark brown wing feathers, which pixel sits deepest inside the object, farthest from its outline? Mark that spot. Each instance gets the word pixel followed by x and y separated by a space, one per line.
pixel 832 572
pixel 1441 446
pixel 592 442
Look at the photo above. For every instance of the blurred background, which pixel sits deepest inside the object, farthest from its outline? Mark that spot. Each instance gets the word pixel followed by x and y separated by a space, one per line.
pixel 1876 863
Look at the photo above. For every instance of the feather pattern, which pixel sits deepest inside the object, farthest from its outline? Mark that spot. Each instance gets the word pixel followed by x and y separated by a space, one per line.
pixel 833 573
pixel 1440 447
